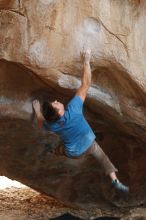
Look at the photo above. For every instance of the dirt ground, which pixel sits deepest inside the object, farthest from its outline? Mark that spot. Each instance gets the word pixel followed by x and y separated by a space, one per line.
pixel 27 204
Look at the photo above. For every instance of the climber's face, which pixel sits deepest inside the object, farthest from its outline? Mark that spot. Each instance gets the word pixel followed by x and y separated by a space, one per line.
pixel 58 106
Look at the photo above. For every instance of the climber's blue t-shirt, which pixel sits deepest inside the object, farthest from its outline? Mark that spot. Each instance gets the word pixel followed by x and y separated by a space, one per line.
pixel 73 128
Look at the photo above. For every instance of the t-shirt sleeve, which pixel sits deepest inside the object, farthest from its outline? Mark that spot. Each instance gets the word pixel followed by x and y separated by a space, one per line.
pixel 76 104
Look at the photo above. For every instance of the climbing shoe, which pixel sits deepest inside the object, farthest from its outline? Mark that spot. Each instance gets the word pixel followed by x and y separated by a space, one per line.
pixel 120 186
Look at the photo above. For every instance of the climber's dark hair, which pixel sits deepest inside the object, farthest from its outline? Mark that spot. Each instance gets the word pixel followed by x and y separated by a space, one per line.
pixel 50 114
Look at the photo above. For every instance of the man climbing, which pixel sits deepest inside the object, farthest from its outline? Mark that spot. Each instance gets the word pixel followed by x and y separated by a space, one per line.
pixel 69 123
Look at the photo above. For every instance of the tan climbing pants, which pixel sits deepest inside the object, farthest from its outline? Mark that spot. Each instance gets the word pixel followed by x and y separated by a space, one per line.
pixel 104 162
pixel 96 151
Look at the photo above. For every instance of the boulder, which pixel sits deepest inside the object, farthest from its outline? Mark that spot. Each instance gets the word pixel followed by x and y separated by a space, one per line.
pixel 40 45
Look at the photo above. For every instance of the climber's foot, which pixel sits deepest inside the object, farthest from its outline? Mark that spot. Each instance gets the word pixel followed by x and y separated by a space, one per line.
pixel 120 186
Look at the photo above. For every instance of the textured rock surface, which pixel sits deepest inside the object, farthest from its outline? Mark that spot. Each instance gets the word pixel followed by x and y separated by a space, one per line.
pixel 40 44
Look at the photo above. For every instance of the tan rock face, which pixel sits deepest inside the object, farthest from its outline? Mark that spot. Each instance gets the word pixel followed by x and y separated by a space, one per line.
pixel 9 4
pixel 40 44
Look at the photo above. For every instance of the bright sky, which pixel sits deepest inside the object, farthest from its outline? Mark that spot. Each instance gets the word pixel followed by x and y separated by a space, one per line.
pixel 8 183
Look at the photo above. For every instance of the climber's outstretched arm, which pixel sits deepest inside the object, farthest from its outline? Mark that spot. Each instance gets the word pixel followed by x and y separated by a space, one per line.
pixel 86 78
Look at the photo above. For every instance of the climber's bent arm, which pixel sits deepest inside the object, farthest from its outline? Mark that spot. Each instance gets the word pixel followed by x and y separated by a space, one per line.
pixel 37 109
